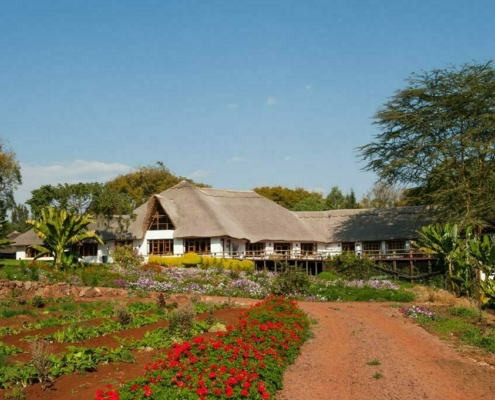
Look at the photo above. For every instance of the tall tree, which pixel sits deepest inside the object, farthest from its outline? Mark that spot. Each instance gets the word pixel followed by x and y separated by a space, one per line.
pixel 285 197
pixel 143 183
pixel 311 203
pixel 335 200
pixel 438 135
pixel 60 230
pixel 10 177
pixel 382 195
pixel 18 218
pixel 350 200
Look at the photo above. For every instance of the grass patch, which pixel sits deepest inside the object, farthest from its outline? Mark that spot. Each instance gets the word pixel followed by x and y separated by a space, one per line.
pixel 346 293
pixel 462 324
pixel 14 312
pixel 374 362
pixel 378 376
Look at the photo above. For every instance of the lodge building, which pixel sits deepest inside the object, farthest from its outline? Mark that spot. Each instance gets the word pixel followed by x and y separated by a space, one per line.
pixel 244 224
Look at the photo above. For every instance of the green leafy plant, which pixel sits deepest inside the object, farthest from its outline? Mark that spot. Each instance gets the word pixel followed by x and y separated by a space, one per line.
pixel 38 302
pixel 291 280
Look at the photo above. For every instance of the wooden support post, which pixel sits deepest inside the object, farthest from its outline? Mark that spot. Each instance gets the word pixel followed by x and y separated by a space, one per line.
pixel 307 269
pixel 264 265
pixel 411 266
pixel 394 264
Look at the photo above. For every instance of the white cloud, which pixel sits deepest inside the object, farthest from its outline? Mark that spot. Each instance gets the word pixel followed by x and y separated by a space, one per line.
pixel 235 159
pixel 308 87
pixel 199 173
pixel 287 158
pixel 33 177
pixel 233 106
pixel 271 101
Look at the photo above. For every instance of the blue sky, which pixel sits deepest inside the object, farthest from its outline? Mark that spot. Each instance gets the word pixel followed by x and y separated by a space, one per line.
pixel 235 94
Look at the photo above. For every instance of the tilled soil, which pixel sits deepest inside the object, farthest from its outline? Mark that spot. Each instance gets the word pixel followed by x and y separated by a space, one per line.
pixel 413 363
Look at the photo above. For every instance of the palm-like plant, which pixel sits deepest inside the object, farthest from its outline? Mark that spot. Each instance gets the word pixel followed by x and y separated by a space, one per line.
pixel 59 230
pixel 443 242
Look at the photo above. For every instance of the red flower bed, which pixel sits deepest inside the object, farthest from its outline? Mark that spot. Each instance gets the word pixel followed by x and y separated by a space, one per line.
pixel 247 361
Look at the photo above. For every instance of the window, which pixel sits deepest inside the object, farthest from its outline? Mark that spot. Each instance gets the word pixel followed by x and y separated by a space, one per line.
pixel 253 249
pixel 161 246
pixel 399 246
pixel 120 243
pixel 31 253
pixel 160 221
pixel 308 248
pixel 198 245
pixel 87 249
pixel 373 248
pixel 283 248
pixel 348 247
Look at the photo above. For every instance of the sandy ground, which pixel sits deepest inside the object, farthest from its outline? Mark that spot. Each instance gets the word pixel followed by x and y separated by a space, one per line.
pixel 413 363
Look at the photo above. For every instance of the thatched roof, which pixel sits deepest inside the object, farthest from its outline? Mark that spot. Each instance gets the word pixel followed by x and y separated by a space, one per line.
pixel 366 224
pixel 204 212
pixel 29 238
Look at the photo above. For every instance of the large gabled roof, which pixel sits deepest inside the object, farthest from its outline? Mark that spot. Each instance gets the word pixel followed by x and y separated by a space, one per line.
pixel 366 224
pixel 204 212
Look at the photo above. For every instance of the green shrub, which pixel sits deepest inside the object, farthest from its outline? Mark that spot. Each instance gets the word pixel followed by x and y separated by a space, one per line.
pixel 328 276
pixel 351 267
pixel 127 257
pixel 191 259
pixel 247 265
pixel 38 302
pixel 166 261
pixel 181 321
pixel 291 280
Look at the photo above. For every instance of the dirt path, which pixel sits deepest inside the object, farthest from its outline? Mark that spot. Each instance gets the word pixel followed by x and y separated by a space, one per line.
pixel 414 364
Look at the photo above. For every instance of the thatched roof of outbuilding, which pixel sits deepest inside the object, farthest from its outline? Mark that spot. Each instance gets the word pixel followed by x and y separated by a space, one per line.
pixel 367 224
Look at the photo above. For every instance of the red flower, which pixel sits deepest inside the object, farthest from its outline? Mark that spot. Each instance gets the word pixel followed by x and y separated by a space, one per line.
pixel 147 391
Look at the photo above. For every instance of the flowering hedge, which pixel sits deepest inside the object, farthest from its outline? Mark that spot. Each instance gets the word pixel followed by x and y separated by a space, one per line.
pixel 247 361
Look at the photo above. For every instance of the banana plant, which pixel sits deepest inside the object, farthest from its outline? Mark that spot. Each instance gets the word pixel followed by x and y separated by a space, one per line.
pixel 60 230
pixel 444 243
pixel 482 254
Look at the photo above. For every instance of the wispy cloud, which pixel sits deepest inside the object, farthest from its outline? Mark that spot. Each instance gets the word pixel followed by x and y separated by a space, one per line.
pixel 287 158
pixel 308 87
pixel 270 101
pixel 233 106
pixel 33 177
pixel 235 159
pixel 199 173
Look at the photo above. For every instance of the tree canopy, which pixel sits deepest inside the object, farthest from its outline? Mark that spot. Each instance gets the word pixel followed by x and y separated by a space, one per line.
pixel 438 137
pixel 382 195
pixel 143 183
pixel 285 197
pixel 10 177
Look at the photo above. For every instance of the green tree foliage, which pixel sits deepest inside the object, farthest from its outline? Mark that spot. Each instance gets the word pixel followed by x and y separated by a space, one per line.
pixel 4 242
pixel 97 199
pixel 285 197
pixel 143 183
pixel 10 177
pixel 19 216
pixel 382 195
pixel 438 136
pixel 60 230
pixel 311 203
pixel 335 199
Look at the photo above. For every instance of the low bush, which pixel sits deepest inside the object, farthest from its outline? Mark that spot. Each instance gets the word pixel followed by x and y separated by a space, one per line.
pixel 349 266
pixel 191 259
pixel 291 281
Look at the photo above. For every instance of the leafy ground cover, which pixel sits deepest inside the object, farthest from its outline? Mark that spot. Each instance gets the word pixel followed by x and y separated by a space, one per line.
pixel 61 360
pixel 462 325
pixel 247 361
